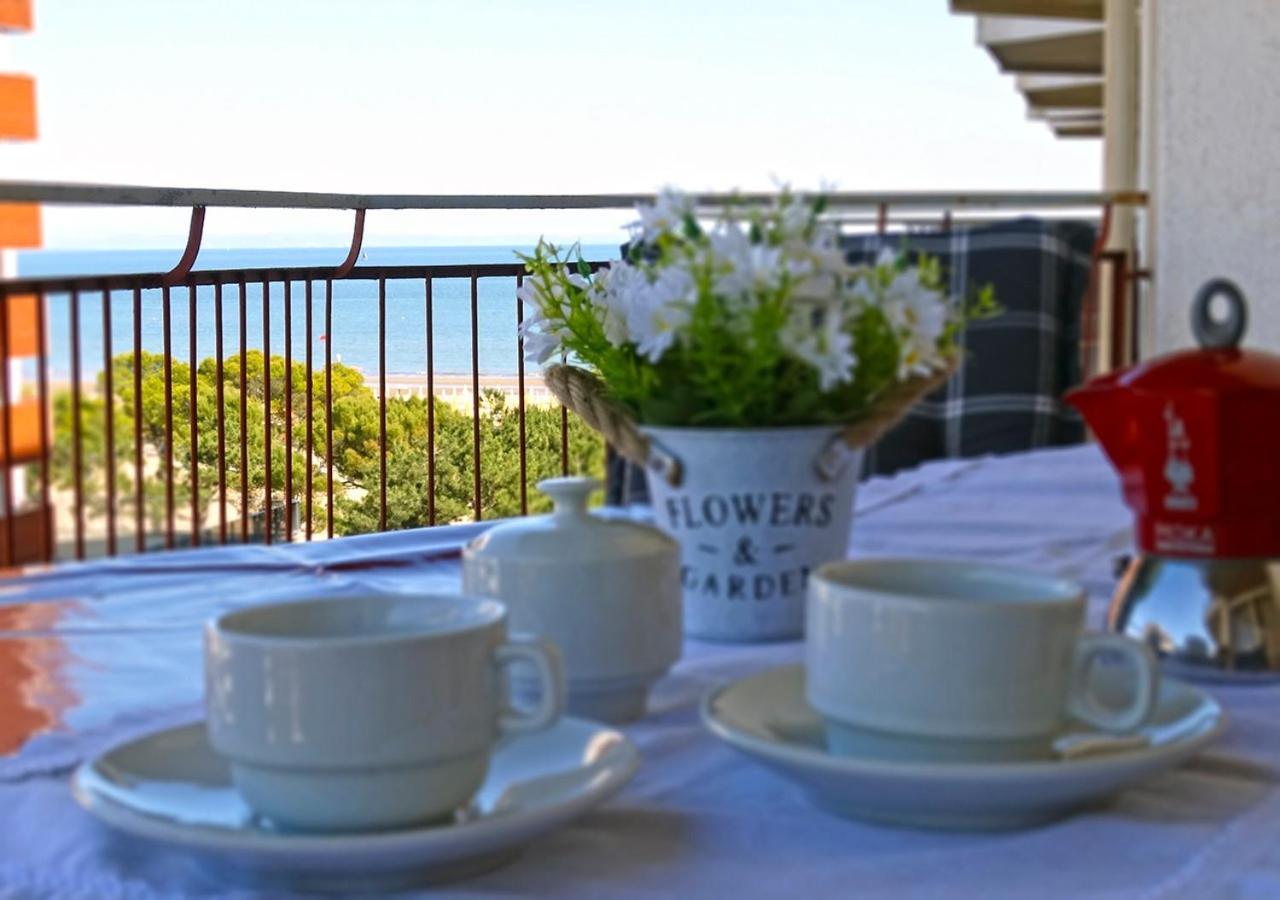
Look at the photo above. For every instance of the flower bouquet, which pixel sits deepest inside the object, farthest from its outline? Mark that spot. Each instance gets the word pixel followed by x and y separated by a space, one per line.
pixel 745 362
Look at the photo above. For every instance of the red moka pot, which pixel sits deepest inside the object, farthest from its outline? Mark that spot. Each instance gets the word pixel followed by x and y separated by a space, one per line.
pixel 1195 437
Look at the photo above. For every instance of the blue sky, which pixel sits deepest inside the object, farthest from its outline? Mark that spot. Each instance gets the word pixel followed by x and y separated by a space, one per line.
pixel 510 97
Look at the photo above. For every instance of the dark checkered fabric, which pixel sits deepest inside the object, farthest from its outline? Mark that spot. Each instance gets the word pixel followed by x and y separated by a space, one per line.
pixel 1008 395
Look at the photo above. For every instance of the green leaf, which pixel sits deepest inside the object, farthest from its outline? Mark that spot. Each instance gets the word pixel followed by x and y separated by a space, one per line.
pixel 692 230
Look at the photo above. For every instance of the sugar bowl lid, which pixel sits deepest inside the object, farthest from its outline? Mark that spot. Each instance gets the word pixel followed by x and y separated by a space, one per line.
pixel 570 534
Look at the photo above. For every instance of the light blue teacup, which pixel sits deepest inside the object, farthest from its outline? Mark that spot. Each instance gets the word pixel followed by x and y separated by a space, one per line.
pixel 371 712
pixel 951 661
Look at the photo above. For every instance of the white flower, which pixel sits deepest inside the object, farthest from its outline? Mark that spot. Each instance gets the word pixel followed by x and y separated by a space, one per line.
pixel 818 265
pixel 542 295
pixel 609 289
pixel 919 314
pixel 819 286
pixel 666 214
pixel 816 335
pixel 656 311
pixel 795 217
pixel 743 266
pixel 765 281
pixel 529 293
pixel 541 342
pixel 910 304
pixel 539 347
pixel 824 249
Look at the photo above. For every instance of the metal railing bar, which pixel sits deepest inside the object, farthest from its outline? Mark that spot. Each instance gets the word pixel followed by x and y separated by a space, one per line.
pixel 431 410
pixel 475 398
pixel 77 448
pixel 220 399
pixel 931 219
pixel 42 396
pixel 524 461
pixel 168 423
pixel 357 238
pixel 139 487
pixel 310 377
pixel 192 398
pixel 288 412
pixel 266 411
pixel 141 195
pixel 109 422
pixel 382 404
pixel 328 400
pixel 274 273
pixel 195 234
pixel 244 414
pixel 217 278
pixel 7 468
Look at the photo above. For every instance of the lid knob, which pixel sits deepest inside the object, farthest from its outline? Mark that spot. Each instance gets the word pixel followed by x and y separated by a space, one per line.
pixel 570 495
pixel 1219 333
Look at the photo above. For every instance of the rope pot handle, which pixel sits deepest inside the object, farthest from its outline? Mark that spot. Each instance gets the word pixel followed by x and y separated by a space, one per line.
pixel 584 393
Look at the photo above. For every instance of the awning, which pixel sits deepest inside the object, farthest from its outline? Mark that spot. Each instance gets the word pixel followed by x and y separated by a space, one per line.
pixel 1042 45
pixel 1058 9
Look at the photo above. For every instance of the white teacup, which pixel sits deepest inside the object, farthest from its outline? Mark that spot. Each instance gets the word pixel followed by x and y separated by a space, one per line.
pixel 367 712
pixel 955 661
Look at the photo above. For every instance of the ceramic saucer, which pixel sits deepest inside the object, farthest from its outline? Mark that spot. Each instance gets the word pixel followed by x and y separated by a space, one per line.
pixel 172 789
pixel 766 717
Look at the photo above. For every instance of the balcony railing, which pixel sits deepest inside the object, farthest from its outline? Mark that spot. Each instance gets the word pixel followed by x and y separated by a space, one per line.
pixel 262 466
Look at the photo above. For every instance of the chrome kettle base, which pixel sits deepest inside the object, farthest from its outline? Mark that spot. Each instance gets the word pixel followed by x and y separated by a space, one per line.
pixel 1207 619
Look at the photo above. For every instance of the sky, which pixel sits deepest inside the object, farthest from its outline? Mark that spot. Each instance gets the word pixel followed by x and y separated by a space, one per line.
pixel 527 96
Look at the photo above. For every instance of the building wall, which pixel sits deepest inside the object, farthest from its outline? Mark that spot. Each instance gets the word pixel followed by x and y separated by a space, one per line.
pixel 1213 147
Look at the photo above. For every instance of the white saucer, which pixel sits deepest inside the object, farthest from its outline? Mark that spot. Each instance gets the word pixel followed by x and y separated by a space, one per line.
pixel 172 789
pixel 766 717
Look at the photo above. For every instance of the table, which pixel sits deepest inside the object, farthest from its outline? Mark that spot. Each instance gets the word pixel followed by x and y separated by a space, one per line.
pixel 93 653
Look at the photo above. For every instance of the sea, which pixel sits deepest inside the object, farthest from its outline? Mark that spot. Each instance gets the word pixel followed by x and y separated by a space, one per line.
pixel 353 337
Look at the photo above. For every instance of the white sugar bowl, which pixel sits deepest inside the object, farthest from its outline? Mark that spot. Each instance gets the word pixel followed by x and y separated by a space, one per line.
pixel 605 590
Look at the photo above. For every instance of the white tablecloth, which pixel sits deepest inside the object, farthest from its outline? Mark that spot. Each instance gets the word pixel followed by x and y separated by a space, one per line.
pixel 698 820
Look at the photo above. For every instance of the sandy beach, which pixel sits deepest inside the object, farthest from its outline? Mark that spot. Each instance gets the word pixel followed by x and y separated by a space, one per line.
pixel 457 389
pixel 453 389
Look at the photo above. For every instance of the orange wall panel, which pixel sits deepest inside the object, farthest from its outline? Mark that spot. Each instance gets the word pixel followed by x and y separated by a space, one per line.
pixel 19 225
pixel 15 15
pixel 17 107
pixel 26 432
pixel 23 309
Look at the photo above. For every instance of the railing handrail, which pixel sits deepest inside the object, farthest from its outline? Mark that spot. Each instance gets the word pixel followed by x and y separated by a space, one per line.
pixel 138 195
pixel 232 276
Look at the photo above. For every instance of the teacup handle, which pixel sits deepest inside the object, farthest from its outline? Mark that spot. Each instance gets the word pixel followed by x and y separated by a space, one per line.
pixel 1086 707
pixel 544 656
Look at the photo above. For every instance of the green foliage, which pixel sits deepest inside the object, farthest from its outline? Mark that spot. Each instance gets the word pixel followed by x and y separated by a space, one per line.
pixel 357 474
pixel 757 322
pixel 408 464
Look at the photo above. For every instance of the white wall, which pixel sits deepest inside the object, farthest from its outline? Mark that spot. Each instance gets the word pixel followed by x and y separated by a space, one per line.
pixel 1214 157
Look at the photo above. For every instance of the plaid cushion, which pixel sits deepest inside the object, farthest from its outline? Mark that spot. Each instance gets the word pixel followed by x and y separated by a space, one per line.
pixel 1008 394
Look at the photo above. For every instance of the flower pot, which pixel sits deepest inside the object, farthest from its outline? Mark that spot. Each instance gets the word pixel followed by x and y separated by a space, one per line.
pixel 755 511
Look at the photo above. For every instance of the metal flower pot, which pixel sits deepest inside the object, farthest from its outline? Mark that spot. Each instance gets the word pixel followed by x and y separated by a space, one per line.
pixel 755 511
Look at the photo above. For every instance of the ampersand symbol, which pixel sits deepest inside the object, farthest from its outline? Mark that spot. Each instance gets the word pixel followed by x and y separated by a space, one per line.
pixel 745 553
